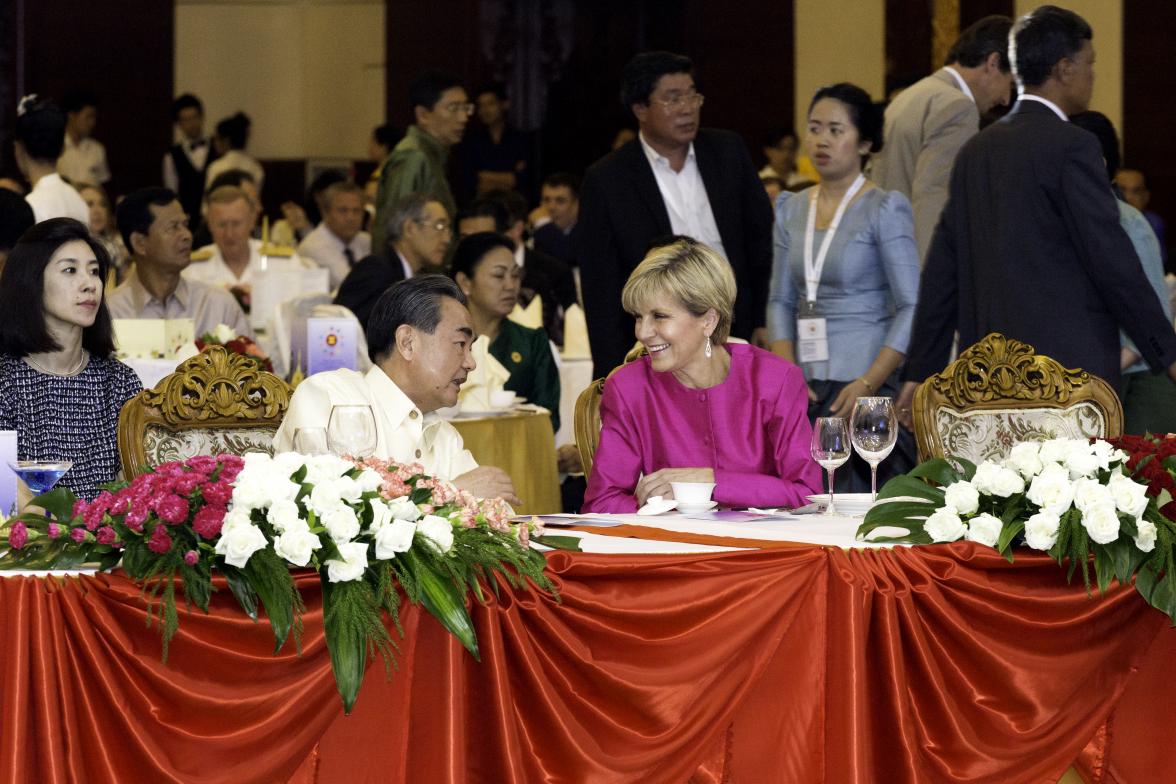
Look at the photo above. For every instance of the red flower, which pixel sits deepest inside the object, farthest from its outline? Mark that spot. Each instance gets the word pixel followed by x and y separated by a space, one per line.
pixel 18 536
pixel 79 509
pixel 53 531
pixel 78 535
pixel 159 542
pixel 205 464
pixel 208 521
pixel 172 509
pixel 135 517
pixel 105 535
pixel 219 493
pixel 187 483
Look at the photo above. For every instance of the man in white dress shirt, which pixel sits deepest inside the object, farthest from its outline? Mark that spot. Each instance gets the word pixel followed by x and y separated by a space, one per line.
pixel 338 243
pixel 928 123
pixel 40 130
pixel 84 158
pixel 419 338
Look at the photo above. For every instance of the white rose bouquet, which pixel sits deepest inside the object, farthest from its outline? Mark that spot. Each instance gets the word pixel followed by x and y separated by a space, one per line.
pixel 1069 498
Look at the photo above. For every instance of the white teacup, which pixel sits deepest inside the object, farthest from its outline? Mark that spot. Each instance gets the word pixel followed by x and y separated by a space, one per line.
pixel 692 492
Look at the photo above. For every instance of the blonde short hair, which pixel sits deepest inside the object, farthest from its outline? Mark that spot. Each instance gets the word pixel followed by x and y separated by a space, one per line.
pixel 227 194
pixel 690 272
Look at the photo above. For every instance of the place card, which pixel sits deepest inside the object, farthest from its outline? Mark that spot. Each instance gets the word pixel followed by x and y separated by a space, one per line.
pixel 331 343
pixel 153 337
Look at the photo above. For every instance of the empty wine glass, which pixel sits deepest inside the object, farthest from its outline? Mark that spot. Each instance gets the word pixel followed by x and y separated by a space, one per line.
pixel 874 429
pixel 351 431
pixel 830 448
pixel 311 441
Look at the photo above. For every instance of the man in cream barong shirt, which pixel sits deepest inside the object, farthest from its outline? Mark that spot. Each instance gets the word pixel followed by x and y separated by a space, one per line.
pixel 419 338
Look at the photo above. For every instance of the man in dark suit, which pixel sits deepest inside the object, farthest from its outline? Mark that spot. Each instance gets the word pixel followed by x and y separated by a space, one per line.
pixel 673 179
pixel 419 233
pixel 1029 243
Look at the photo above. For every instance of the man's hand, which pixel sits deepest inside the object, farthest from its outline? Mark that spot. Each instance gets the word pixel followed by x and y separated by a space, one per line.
pixel 488 482
pixel 906 400
pixel 658 483
pixel 567 459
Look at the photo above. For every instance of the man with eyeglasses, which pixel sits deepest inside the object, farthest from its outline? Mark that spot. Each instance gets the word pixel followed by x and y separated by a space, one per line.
pixel 419 232
pixel 417 164
pixel 675 178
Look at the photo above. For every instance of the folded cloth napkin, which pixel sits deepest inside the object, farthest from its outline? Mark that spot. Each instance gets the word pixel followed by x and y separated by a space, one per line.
pixel 530 316
pixel 489 376
pixel 575 334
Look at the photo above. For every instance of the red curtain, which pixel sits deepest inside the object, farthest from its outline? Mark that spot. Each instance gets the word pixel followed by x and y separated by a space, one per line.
pixel 809 664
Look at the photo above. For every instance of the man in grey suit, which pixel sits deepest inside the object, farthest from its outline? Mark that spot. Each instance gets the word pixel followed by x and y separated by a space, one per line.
pixel 928 123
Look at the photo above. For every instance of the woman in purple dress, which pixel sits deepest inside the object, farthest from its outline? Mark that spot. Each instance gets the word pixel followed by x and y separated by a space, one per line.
pixel 697 408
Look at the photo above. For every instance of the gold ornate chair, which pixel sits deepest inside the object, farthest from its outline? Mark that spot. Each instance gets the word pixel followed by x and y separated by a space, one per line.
pixel 1000 392
pixel 217 402
pixel 586 424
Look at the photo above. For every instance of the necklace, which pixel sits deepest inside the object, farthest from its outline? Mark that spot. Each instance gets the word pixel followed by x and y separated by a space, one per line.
pixel 73 371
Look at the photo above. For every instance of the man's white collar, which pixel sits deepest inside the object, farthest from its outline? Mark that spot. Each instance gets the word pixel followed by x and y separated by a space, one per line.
pixel 959 79
pixel 1056 109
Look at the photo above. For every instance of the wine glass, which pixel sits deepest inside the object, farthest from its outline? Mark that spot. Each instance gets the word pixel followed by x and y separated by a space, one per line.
pixel 874 429
pixel 351 430
pixel 40 475
pixel 830 448
pixel 311 441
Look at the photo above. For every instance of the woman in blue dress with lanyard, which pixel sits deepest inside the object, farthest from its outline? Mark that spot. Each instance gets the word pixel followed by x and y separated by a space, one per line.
pixel 845 277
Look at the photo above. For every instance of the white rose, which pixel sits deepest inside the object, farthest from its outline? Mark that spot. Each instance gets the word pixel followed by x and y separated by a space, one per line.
pixel 284 515
pixel 404 509
pixel 1054 450
pixel 369 481
pixel 1024 458
pixel 236 517
pixel 324 468
pixel 287 464
pixel 280 489
pixel 396 537
pixel 1102 523
pixel 963 497
pixel 984 529
pixel 349 489
pixel 437 530
pixel 354 562
pixel 224 333
pixel 1089 493
pixel 1119 456
pixel 240 542
pixel 1052 489
pixel 1041 530
pixel 296 545
pixel 1145 540
pixel 944 525
pixel 1104 453
pixel 994 479
pixel 1081 461
pixel 341 523
pixel 381 514
pixel 250 493
pixel 1130 496
pixel 324 497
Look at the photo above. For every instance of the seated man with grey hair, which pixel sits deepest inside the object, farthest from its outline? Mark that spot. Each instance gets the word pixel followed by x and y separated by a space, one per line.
pixel 418 233
pixel 419 338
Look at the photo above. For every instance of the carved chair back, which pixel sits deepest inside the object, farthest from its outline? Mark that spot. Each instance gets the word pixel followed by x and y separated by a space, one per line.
pixel 999 392
pixel 217 402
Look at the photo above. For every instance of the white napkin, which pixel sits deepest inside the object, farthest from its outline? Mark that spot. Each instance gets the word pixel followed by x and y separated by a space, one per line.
pixel 575 334
pixel 489 376
pixel 530 316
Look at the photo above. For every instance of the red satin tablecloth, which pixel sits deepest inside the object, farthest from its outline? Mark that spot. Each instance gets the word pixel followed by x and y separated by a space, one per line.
pixel 810 664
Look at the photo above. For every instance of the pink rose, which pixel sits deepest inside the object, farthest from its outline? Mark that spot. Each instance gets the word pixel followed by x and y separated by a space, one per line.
pixel 159 542
pixel 191 557
pixel 53 531
pixel 18 536
pixel 105 535
pixel 172 509
pixel 219 493
pixel 208 521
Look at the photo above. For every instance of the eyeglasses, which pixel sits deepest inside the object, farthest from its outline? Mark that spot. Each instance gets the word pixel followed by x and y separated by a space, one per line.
pixel 439 225
pixel 689 101
pixel 457 108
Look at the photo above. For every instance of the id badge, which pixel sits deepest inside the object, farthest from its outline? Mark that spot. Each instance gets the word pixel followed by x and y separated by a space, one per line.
pixel 812 343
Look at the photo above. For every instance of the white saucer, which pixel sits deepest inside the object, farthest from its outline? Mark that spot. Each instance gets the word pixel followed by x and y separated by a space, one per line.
pixel 849 504
pixel 695 508
pixel 656 505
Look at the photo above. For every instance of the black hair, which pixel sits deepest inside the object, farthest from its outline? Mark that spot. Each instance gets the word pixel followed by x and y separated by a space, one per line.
pixel 186 101
pixel 981 39
pixel 416 302
pixel 232 177
pixel 486 207
pixel 778 134
pixel 41 129
pixel 77 99
pixel 387 135
pixel 134 211
pixel 1104 130
pixel 865 115
pixel 640 75
pixel 512 201
pixel 497 88
pixel 1042 38
pixel 427 88
pixel 472 249
pixel 22 291
pixel 564 180
pixel 16 217
pixel 235 129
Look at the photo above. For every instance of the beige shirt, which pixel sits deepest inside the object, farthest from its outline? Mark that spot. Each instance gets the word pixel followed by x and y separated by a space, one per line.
pixel 403 433
pixel 207 306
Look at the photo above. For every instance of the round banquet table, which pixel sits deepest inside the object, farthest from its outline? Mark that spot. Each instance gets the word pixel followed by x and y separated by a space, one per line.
pixel 522 444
